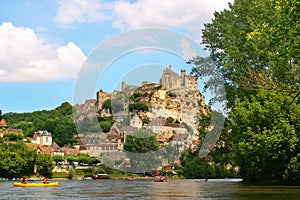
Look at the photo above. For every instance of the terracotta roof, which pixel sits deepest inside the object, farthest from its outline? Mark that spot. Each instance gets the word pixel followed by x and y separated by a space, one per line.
pixel 14 130
pixel 3 123
pixel 69 151
pixel 113 136
pixel 174 125
pixel 46 150
pixel 55 146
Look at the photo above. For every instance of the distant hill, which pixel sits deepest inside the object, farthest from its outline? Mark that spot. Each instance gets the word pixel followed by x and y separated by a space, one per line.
pixel 58 121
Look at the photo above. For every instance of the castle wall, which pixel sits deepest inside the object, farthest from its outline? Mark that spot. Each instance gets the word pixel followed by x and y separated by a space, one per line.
pixel 101 97
pixel 171 80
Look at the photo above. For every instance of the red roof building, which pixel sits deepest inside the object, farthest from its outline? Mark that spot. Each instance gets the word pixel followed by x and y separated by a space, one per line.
pixel 3 123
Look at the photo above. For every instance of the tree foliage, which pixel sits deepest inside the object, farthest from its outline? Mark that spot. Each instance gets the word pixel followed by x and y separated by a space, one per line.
pixel 45 165
pixel 255 46
pixel 266 135
pixel 195 167
pixel 16 160
pixel 58 121
pixel 140 147
pixel 139 106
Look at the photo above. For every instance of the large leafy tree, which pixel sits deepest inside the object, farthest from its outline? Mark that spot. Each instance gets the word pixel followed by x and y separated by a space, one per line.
pixel 266 136
pixel 16 160
pixel 45 165
pixel 141 147
pixel 255 45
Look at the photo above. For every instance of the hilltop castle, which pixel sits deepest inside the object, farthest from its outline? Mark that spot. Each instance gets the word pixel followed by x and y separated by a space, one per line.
pixel 171 80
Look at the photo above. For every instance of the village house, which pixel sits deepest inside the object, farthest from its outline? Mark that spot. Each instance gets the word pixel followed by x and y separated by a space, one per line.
pixel 3 124
pixel 56 149
pixel 156 125
pixel 182 141
pixel 45 150
pixel 3 127
pixel 43 138
pixel 165 130
pixel 136 121
pixel 98 149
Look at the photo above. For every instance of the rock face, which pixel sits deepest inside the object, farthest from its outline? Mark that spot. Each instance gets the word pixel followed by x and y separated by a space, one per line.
pixel 176 96
pixel 183 105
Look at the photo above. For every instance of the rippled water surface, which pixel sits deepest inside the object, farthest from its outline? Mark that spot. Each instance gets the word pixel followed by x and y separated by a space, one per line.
pixel 147 189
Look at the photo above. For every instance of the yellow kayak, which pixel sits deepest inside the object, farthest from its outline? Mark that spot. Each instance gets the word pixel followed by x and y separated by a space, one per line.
pixel 51 184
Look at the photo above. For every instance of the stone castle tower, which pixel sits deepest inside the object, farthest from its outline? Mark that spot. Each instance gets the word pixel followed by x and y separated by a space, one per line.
pixel 171 80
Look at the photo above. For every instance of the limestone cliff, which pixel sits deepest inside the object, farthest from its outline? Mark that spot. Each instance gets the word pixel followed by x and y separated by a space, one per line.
pixel 183 105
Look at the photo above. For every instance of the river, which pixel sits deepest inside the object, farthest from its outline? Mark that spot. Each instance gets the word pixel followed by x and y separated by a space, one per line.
pixel 147 189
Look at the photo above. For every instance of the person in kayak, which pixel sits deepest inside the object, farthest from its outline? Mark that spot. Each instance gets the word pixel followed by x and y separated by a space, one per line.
pixel 45 180
pixel 24 180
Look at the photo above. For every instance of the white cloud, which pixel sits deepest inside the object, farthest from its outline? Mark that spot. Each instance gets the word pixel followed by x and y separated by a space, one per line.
pixel 187 50
pixel 189 15
pixel 72 11
pixel 24 57
pixel 186 15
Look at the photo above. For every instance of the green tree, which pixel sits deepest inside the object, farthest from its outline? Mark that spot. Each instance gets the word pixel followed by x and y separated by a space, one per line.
pixel 58 121
pixel 58 158
pixel 195 167
pixel 45 165
pixel 139 106
pixel 83 158
pixel 16 160
pixel 266 136
pixel 170 119
pixel 71 159
pixel 107 104
pixel 105 126
pixel 137 96
pixel 13 136
pixel 140 147
pixel 71 173
pixel 254 44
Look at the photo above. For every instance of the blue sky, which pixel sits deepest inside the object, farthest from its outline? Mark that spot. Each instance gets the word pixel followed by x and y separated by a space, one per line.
pixel 45 43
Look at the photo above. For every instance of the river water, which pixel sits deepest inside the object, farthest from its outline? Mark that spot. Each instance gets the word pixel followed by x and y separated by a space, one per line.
pixel 147 189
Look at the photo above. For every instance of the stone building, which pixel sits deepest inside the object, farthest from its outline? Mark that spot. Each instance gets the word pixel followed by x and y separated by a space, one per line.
pixel 128 89
pixel 43 138
pixel 136 121
pixel 101 97
pixel 171 80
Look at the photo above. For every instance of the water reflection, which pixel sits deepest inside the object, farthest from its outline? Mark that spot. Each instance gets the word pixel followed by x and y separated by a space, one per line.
pixel 147 189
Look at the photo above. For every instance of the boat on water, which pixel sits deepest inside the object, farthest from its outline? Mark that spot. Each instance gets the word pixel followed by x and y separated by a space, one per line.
pixel 100 176
pixel 51 184
pixel 131 178
pixel 227 180
pixel 159 177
